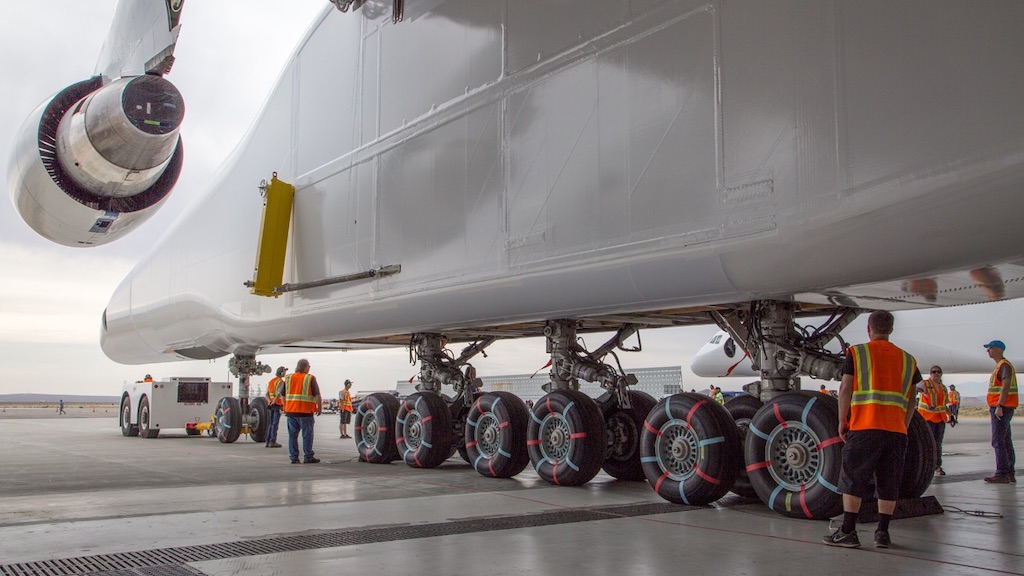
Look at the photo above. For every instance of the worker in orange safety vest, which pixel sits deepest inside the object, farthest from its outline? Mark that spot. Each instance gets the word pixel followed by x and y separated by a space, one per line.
pixel 1002 401
pixel 932 407
pixel 275 403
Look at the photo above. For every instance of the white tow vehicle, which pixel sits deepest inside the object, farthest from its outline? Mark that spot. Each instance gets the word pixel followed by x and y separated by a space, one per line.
pixel 148 407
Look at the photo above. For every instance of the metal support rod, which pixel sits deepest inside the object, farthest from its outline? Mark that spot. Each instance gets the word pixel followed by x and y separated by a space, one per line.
pixel 382 271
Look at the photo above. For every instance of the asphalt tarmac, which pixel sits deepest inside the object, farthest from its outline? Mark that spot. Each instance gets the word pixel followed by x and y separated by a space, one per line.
pixel 78 498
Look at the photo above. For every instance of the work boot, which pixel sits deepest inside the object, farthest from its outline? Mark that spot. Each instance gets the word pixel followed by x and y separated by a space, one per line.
pixel 939 471
pixel 882 539
pixel 838 538
pixel 998 479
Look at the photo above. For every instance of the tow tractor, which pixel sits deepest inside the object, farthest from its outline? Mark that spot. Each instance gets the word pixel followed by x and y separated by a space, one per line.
pixel 178 402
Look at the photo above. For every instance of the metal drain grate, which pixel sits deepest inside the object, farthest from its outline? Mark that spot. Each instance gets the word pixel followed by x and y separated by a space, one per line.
pixel 169 561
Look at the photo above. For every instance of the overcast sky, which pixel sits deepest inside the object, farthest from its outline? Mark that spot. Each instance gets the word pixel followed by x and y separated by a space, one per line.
pixel 228 56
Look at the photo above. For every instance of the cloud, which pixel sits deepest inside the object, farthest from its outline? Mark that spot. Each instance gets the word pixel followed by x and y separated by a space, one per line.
pixel 55 295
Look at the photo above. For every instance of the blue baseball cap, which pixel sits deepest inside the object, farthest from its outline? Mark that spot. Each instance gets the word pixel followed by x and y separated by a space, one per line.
pixel 996 344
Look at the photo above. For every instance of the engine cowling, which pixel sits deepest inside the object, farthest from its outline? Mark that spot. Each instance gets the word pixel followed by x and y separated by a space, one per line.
pixel 96 160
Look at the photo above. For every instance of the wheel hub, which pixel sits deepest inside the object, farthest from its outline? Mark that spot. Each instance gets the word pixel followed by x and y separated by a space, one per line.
pixel 793 451
pixel 677 449
pixel 413 430
pixel 555 434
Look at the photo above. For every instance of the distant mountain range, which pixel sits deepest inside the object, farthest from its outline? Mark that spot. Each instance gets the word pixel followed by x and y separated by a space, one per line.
pixel 17 398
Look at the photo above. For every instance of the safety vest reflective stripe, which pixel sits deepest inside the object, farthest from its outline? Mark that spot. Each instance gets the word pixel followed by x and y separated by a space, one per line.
pixel 883 376
pixel 272 391
pixel 346 401
pixel 954 397
pixel 995 386
pixel 932 405
pixel 298 399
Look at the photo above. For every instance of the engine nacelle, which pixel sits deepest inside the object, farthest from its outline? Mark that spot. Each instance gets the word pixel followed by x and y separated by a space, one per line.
pixel 95 160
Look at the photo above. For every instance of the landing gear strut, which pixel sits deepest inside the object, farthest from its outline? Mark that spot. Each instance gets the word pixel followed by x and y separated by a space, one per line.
pixel 429 427
pixel 567 439
pixel 235 415
pixel 792 451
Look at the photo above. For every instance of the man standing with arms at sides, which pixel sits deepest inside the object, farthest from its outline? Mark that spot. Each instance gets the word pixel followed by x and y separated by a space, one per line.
pixel 274 405
pixel 933 409
pixel 1002 400
pixel 345 409
pixel 876 400
pixel 954 405
pixel 301 401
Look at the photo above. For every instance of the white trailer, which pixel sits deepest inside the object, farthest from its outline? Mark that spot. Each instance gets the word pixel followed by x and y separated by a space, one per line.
pixel 180 402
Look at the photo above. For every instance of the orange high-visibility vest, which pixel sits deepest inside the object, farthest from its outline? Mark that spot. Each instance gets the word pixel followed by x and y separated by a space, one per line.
pixel 272 391
pixel 995 386
pixel 954 397
pixel 882 382
pixel 298 398
pixel 346 401
pixel 932 405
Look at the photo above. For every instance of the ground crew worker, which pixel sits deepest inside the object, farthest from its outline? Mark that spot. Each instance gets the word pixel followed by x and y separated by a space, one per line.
pixel 1002 400
pixel 719 397
pixel 932 407
pixel 954 405
pixel 148 378
pixel 275 403
pixel 301 402
pixel 345 409
pixel 823 389
pixel 875 407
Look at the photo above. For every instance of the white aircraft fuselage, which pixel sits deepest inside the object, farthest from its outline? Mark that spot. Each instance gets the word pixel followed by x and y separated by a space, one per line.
pixel 523 161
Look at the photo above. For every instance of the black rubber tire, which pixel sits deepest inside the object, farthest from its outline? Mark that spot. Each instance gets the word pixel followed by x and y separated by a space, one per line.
pixel 191 432
pixel 127 428
pixel 212 430
pixel 690 449
pixel 374 428
pixel 622 437
pixel 742 409
pixel 794 455
pixel 565 438
pixel 144 420
pixel 496 435
pixel 423 430
pixel 921 460
pixel 259 417
pixel 229 419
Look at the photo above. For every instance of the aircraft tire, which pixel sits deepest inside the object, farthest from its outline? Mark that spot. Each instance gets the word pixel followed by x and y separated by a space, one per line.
pixel 259 417
pixel 622 436
pixel 565 438
pixel 374 429
pixel 127 428
pixel 144 420
pixel 229 419
pixel 742 409
pixel 690 449
pixel 794 455
pixel 496 435
pixel 423 430
pixel 921 460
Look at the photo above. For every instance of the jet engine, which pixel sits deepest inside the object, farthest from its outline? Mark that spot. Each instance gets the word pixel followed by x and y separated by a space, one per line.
pixel 96 160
